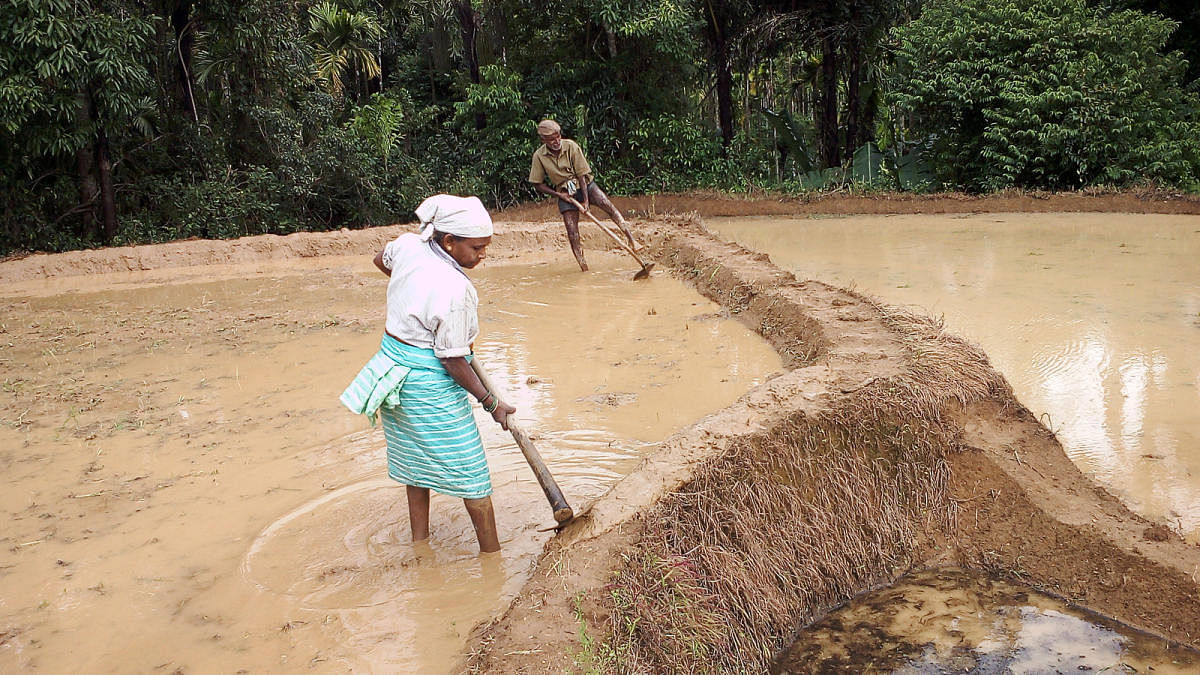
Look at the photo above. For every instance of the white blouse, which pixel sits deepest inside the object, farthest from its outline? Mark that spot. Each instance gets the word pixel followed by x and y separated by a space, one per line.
pixel 430 301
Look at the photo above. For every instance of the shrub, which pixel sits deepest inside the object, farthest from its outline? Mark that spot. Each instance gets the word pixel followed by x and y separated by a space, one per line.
pixel 1046 94
pixel 671 153
pixel 502 145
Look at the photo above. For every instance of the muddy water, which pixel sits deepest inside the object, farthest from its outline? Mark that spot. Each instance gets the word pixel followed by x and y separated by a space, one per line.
pixel 1093 318
pixel 953 621
pixel 183 490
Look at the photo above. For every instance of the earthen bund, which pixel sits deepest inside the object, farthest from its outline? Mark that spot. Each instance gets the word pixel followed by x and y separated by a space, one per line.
pixel 888 445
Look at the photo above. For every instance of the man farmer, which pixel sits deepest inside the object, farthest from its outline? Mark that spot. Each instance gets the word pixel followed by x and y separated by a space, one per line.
pixel 561 161
pixel 419 379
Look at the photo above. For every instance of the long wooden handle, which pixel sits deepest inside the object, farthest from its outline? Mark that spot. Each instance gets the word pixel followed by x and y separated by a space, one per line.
pixel 609 232
pixel 562 511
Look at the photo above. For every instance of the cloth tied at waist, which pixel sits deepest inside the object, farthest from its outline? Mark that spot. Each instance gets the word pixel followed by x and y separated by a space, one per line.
pixel 378 383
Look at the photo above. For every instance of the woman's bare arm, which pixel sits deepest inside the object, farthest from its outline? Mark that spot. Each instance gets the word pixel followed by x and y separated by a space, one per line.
pixel 379 263
pixel 460 370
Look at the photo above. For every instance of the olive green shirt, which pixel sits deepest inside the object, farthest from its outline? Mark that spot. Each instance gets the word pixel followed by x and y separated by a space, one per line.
pixel 567 164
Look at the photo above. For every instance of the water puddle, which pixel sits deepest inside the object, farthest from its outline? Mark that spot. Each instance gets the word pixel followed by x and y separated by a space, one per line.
pixel 184 491
pixel 954 621
pixel 1094 319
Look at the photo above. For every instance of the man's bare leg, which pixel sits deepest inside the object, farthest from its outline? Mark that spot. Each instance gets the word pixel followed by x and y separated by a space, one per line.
pixel 597 197
pixel 571 220
pixel 484 520
pixel 418 512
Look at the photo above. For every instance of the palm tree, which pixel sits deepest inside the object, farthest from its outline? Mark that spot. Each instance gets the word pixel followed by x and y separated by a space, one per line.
pixel 342 41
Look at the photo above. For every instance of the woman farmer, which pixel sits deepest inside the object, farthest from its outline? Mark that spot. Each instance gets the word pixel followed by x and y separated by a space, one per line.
pixel 419 380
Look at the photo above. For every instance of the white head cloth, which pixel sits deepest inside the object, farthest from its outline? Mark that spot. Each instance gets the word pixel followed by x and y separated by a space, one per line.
pixel 460 216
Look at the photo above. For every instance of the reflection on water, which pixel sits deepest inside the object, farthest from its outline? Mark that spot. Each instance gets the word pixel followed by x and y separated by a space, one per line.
pixel 954 621
pixel 1093 318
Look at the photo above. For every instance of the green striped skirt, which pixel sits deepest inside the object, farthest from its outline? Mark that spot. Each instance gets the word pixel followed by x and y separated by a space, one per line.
pixel 432 439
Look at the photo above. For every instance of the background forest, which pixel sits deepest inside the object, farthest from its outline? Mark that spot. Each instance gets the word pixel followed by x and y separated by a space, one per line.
pixel 125 122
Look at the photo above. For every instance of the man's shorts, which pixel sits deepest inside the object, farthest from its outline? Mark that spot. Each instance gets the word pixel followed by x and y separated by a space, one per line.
pixel 564 206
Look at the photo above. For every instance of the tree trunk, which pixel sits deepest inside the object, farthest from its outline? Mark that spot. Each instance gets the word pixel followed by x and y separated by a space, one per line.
pixel 496 35
pixel 717 35
pixel 439 47
pixel 185 41
pixel 467 18
pixel 828 115
pixel 85 160
pixel 108 200
pixel 724 93
pixel 612 42
pixel 866 127
pixel 470 29
pixel 853 104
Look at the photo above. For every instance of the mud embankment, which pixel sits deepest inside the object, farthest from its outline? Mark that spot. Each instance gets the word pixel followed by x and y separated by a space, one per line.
pixel 512 240
pixel 760 203
pixel 889 446
pixel 522 231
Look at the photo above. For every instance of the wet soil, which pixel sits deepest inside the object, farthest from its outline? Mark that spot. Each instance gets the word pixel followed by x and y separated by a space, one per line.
pixel 184 491
pixel 1092 318
pixel 521 235
pixel 1022 509
pixel 958 621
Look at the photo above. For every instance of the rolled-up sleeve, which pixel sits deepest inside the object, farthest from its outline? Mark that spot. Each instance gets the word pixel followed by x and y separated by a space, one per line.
pixel 457 327
pixel 389 253
pixel 537 172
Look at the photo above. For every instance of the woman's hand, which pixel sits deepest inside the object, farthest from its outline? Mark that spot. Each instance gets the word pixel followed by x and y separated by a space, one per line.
pixel 501 413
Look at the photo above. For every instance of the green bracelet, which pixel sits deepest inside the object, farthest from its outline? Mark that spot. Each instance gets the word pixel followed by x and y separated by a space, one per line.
pixel 495 404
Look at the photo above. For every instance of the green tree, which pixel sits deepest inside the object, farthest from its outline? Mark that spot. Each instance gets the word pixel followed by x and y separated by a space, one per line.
pixel 503 144
pixel 1185 39
pixel 1046 94
pixel 343 43
pixel 73 83
pixel 381 122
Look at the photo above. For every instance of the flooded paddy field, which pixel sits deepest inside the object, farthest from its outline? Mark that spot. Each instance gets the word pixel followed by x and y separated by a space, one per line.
pixel 1094 318
pixel 183 489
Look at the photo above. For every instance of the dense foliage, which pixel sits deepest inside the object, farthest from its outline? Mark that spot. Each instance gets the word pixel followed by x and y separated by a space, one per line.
pixel 1046 94
pixel 127 121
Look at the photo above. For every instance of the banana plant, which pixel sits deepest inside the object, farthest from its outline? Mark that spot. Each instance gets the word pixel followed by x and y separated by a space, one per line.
pixel 911 169
pixel 791 137
pixel 867 164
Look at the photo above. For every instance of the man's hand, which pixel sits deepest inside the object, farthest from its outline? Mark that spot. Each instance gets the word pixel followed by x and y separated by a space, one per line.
pixel 501 413
pixel 584 203
pixel 565 196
